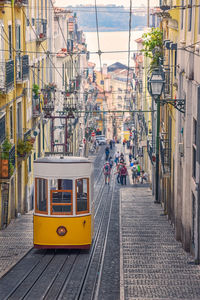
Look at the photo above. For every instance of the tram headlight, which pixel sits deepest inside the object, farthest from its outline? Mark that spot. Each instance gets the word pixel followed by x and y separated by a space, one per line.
pixel 61 230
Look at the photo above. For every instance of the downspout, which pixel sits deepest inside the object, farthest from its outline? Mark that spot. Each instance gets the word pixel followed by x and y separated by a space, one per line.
pixel 14 103
pixel 197 248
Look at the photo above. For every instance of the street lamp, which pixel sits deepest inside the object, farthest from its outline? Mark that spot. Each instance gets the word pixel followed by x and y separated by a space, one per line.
pixel 155 85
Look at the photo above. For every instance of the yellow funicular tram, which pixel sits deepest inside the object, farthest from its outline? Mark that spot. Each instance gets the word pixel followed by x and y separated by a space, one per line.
pixel 63 214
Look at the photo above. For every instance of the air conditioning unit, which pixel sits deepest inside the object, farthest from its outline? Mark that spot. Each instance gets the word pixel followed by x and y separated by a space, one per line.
pixel 181 149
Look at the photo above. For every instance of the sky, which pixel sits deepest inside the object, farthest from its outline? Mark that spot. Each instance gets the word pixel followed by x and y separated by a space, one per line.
pixel 125 3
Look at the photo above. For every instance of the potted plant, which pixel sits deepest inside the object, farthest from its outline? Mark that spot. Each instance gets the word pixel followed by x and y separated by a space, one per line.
pixel 36 91
pixel 5 149
pixel 24 148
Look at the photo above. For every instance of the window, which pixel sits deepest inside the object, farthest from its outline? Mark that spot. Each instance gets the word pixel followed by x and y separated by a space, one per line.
pixel 193 218
pixel 10 40
pixel 19 120
pixel 82 195
pixel 2 128
pixel 194 155
pixel 18 37
pixel 190 15
pixel 194 131
pixel 61 196
pixel 41 192
pixel 11 122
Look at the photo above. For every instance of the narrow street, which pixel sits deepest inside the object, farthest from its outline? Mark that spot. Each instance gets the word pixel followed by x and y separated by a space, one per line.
pixel 135 257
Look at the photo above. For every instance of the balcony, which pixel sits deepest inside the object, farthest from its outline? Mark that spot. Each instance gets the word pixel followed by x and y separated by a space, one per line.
pixel 22 68
pixel 7 164
pixel 165 4
pixel 21 2
pixel 36 105
pixel 41 30
pixel 165 155
pixel 6 75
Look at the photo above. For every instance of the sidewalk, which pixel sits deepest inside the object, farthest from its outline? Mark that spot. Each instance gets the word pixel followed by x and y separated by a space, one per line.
pixel 15 241
pixel 153 264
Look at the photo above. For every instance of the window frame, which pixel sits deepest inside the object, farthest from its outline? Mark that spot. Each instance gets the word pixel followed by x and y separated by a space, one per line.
pixel 57 204
pixel 37 210
pixel 88 202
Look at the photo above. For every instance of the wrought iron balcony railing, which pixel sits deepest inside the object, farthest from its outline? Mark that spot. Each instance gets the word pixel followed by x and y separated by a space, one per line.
pixel 41 29
pixel 22 67
pixel 6 75
pixel 165 4
pixel 21 2
pixel 165 154
pixel 36 105
pixel 7 163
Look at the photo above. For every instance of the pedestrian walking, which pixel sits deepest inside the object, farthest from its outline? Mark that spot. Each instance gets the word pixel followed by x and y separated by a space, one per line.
pixel 118 167
pixel 123 174
pixel 117 157
pixel 138 172
pixel 134 174
pixel 110 161
pixel 121 158
pixel 107 151
pixel 110 143
pixel 106 171
pixel 130 157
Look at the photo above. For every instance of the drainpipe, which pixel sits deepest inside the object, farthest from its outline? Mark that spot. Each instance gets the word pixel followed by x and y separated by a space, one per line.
pixel 197 248
pixel 14 104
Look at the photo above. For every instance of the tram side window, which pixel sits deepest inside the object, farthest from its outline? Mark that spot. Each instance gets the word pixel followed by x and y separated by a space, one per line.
pixel 82 195
pixel 61 196
pixel 41 195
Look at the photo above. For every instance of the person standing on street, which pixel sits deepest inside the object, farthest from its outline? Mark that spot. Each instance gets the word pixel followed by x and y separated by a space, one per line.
pixel 106 171
pixel 107 151
pixel 123 174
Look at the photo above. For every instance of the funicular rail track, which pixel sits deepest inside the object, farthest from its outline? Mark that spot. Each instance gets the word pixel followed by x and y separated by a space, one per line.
pixel 59 274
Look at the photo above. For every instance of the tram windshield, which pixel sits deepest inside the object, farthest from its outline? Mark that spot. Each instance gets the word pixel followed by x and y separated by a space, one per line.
pixel 82 195
pixel 61 196
pixel 41 191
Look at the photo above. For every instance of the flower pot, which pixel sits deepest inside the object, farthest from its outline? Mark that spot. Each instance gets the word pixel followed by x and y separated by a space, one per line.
pixel 4 168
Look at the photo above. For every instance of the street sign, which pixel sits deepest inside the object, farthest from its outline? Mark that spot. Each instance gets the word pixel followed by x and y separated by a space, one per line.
pixel 130 133
pixel 93 133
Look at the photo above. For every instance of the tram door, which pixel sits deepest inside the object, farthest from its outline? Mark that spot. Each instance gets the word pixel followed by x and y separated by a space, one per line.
pixel 61 196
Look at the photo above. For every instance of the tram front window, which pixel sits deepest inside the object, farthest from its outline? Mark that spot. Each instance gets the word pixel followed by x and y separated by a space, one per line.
pixel 41 195
pixel 82 195
pixel 61 196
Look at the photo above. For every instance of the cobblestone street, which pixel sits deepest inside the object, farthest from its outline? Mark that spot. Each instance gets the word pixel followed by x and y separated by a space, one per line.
pixel 153 263
pixel 16 240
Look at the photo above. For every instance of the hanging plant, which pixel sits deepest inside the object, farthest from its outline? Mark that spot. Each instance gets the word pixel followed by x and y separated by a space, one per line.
pixel 153 46
pixel 24 147
pixel 36 90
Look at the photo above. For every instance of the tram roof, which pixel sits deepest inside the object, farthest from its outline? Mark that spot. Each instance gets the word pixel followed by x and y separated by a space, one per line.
pixel 62 159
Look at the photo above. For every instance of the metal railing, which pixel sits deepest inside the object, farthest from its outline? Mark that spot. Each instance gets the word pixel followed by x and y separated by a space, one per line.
pixel 21 2
pixel 7 164
pixel 165 154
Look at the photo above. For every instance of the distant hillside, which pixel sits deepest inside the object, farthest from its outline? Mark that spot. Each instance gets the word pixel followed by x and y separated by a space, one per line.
pixel 115 18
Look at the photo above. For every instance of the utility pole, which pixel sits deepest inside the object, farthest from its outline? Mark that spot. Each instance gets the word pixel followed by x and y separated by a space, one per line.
pixel 148 13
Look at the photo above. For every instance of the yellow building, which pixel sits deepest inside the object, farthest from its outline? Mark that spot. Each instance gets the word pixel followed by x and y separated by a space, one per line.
pixel 170 29
pixel 23 60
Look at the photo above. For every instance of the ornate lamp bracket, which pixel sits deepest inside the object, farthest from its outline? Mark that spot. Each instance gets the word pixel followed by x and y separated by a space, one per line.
pixel 179 104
